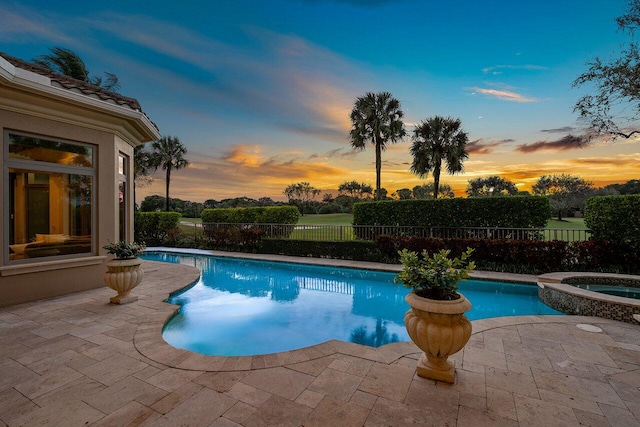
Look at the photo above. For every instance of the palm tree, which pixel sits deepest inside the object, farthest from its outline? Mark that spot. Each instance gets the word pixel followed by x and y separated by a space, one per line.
pixel 435 140
pixel 168 153
pixel 144 164
pixel 376 118
pixel 66 62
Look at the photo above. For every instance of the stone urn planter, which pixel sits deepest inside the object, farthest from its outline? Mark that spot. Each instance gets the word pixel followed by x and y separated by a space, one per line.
pixel 439 329
pixel 124 272
pixel 436 322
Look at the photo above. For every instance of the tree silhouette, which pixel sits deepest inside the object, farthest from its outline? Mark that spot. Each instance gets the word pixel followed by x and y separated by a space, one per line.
pixel 376 118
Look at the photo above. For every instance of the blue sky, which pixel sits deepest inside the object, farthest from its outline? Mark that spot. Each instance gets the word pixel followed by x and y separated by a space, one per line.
pixel 260 91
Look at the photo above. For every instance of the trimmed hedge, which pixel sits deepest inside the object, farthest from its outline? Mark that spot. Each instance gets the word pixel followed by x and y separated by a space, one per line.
pixel 352 249
pixel 614 218
pixel 525 256
pixel 255 215
pixel 511 212
pixel 234 239
pixel 154 228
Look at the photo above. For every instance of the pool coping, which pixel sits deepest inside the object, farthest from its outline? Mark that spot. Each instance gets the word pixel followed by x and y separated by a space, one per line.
pixel 149 342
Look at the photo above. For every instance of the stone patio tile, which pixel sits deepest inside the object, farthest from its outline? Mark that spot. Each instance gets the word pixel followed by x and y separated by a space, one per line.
pixel 507 333
pixel 439 399
pixel 310 398
pixel 336 413
pixel 619 416
pixel 220 381
pixel 171 379
pixel 280 381
pixel 126 332
pixel 634 407
pixel 75 390
pixel 312 367
pixel 622 333
pixel 387 412
pixel 55 329
pixel 534 412
pixel 363 399
pixel 389 381
pixel 484 357
pixel 75 413
pixel 239 412
pixel 13 405
pixel 248 394
pixel 471 382
pixel 501 403
pixel 590 419
pixel 561 362
pixel 172 400
pixel 591 355
pixel 131 414
pixel 522 354
pixel 123 392
pixel 52 380
pixel 53 347
pixel 351 365
pixel 201 409
pixel 473 401
pixel 224 422
pixel 113 369
pixel 147 372
pixel 472 417
pixel 278 411
pixel 623 355
pixel 70 358
pixel 512 382
pixel 577 387
pixel 89 330
pixel 336 384
pixel 570 401
pixel 14 373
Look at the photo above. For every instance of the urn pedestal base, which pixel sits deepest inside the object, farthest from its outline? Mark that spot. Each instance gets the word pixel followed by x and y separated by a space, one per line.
pixel 122 276
pixel 440 329
pixel 446 372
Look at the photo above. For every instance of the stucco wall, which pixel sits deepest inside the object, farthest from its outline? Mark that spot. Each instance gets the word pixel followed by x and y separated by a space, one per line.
pixel 31 113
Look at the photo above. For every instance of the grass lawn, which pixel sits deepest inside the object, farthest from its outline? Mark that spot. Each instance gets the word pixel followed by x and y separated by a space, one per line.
pixel 567 223
pixel 327 219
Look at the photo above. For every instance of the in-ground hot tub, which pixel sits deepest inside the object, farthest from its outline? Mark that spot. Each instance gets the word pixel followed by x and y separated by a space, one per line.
pixel 584 294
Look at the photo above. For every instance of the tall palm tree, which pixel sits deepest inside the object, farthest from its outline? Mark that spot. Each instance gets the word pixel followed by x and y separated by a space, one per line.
pixel 436 140
pixel 144 164
pixel 168 154
pixel 376 118
pixel 66 62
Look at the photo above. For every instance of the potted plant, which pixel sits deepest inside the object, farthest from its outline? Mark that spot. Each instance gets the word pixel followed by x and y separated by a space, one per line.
pixel 436 322
pixel 123 270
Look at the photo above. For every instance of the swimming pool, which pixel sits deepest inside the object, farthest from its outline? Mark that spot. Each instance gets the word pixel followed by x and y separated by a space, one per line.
pixel 244 307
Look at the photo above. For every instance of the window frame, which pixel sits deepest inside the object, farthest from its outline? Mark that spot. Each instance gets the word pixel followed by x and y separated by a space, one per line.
pixel 46 167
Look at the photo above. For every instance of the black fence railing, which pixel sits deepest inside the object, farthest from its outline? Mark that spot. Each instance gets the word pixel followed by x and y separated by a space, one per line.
pixel 208 231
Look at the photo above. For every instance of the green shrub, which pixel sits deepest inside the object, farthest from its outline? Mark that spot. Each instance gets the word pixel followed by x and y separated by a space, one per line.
pixel 352 249
pixel 154 228
pixel 614 218
pixel 255 215
pixel 510 212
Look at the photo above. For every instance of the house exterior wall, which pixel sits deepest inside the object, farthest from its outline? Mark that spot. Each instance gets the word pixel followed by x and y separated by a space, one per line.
pixel 112 134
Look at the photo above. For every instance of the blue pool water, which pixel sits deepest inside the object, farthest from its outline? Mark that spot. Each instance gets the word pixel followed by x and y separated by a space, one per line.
pixel 243 307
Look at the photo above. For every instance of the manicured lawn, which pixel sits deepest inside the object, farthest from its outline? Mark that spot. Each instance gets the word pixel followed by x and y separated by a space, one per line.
pixel 327 219
pixel 567 223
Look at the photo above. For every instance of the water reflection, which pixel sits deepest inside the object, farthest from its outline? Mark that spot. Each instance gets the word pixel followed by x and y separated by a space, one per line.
pixel 377 338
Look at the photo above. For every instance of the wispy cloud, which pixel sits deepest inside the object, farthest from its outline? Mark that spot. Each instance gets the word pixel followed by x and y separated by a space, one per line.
pixel 504 95
pixel 479 146
pixel 569 142
pixel 497 69
pixel 564 129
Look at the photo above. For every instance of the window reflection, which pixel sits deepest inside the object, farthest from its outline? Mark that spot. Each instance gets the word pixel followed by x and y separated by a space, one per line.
pixel 43 150
pixel 50 214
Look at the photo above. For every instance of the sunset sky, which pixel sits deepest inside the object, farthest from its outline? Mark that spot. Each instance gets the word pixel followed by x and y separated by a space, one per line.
pixel 260 91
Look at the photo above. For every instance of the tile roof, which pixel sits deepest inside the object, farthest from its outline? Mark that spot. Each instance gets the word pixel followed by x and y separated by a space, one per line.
pixel 70 83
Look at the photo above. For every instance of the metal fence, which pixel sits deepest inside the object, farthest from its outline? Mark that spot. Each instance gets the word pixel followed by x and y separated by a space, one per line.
pixel 369 232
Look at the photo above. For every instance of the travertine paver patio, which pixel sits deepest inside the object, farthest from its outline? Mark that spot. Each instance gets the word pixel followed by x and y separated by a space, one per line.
pixel 76 360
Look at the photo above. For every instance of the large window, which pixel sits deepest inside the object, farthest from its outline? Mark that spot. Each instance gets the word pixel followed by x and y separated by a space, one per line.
pixel 49 196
